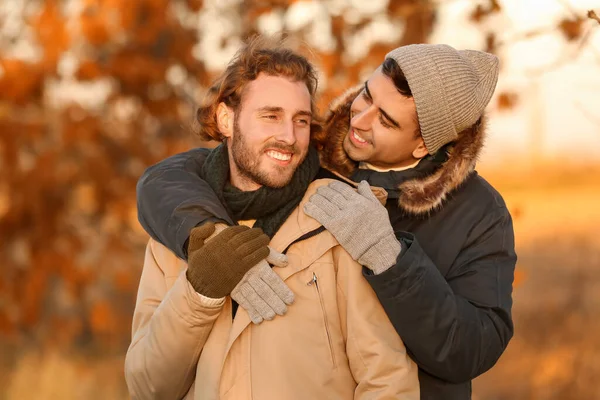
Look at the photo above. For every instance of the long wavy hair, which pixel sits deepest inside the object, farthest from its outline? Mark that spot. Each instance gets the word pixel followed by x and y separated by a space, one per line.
pixel 259 55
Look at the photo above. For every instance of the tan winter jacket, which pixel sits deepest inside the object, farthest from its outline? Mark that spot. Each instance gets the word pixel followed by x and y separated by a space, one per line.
pixel 335 342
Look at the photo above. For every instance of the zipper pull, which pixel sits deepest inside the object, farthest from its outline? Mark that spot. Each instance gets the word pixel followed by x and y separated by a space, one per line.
pixel 313 280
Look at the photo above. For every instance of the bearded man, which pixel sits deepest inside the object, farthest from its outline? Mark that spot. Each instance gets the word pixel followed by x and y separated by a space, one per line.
pixel 189 338
pixel 415 129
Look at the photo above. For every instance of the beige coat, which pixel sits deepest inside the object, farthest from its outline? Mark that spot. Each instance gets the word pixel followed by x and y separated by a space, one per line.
pixel 335 342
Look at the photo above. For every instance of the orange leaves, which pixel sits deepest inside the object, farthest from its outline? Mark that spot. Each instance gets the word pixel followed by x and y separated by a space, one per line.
pixel 84 199
pixel 507 100
pixel 254 12
pixel 178 45
pixel 102 319
pixel 5 200
pixel 20 82
pixel 125 280
pixel 491 43
pixel 571 28
pixel 143 20
pixel 194 5
pixel 79 127
pixel 7 326
pixel 480 12
pixel 136 70
pixel 407 8
pixel 33 291
pixel 165 108
pixel 65 330
pixel 51 31
pixel 95 22
pixel 89 70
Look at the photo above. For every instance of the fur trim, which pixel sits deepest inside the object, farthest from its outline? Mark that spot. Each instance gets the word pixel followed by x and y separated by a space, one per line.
pixel 424 195
pixel 418 196
pixel 329 141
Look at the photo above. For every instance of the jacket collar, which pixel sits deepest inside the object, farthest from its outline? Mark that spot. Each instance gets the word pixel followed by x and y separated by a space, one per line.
pixel 420 190
pixel 300 257
pixel 298 223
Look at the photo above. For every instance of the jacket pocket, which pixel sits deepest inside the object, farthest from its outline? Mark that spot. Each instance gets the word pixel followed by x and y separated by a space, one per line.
pixel 315 282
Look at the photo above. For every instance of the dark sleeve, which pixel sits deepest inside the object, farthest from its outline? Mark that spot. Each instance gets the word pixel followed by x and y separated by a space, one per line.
pixel 172 199
pixel 454 329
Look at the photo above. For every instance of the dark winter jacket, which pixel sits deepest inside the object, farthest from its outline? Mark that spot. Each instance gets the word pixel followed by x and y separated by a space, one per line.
pixel 449 294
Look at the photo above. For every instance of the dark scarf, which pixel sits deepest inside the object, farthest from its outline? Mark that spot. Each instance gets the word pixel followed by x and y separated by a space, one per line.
pixel 391 180
pixel 270 207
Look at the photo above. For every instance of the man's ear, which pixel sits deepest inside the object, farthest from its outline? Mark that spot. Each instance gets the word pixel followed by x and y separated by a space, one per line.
pixel 421 150
pixel 225 118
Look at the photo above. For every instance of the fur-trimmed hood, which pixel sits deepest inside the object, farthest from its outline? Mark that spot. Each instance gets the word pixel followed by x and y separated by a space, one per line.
pixel 418 196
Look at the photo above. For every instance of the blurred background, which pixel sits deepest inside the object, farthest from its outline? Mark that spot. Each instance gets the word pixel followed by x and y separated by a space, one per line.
pixel 94 91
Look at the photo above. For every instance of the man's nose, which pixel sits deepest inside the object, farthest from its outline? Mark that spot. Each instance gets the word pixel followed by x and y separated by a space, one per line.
pixel 363 120
pixel 287 133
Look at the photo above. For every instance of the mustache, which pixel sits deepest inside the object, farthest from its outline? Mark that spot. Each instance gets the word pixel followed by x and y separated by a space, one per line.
pixel 283 147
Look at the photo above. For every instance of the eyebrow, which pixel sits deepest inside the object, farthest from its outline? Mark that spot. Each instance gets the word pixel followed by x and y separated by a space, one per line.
pixel 280 110
pixel 303 112
pixel 270 109
pixel 386 115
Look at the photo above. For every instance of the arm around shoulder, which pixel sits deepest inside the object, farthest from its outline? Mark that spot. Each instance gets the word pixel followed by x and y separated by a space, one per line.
pixel 456 327
pixel 172 198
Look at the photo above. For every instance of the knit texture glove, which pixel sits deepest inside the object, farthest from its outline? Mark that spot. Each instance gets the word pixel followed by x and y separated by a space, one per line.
pixel 216 266
pixel 359 223
pixel 261 292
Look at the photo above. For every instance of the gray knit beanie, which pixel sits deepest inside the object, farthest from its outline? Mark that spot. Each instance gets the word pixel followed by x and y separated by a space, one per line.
pixel 451 88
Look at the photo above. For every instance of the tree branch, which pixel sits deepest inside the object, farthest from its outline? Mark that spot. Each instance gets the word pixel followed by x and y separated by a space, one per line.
pixel 567 57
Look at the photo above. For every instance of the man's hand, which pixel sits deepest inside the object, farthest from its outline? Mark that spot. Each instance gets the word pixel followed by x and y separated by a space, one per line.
pixel 359 223
pixel 217 265
pixel 261 292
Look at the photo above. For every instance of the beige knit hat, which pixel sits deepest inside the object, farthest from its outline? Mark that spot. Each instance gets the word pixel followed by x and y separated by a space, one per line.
pixel 451 88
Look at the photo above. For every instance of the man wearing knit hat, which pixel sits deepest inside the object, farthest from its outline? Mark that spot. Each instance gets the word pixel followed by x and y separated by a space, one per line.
pixel 189 340
pixel 440 254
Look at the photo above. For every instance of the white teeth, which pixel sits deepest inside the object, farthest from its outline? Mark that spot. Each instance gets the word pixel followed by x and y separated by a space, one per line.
pixel 358 138
pixel 279 156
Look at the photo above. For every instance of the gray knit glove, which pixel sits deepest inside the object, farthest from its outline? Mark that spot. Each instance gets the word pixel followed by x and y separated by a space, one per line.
pixel 261 292
pixel 359 223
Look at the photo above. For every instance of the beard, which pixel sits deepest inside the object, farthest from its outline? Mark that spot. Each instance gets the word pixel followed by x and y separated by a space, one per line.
pixel 248 161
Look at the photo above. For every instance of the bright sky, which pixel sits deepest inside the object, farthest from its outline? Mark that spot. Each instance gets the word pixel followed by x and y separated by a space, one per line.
pixel 559 111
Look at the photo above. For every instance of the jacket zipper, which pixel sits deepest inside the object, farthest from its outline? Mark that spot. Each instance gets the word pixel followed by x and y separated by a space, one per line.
pixel 315 282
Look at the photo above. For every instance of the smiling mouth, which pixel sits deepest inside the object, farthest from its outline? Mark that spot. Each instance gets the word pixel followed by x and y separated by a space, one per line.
pixel 281 157
pixel 357 139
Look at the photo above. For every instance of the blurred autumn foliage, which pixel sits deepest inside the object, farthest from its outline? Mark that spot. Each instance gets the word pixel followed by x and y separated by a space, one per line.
pixel 71 250
pixel 109 88
pixel 68 218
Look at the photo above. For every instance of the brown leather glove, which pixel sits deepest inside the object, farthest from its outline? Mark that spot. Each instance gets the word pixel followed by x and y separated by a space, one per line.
pixel 217 266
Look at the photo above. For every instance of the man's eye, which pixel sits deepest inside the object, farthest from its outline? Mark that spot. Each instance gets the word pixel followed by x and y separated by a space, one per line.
pixel 383 122
pixel 303 122
pixel 271 116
